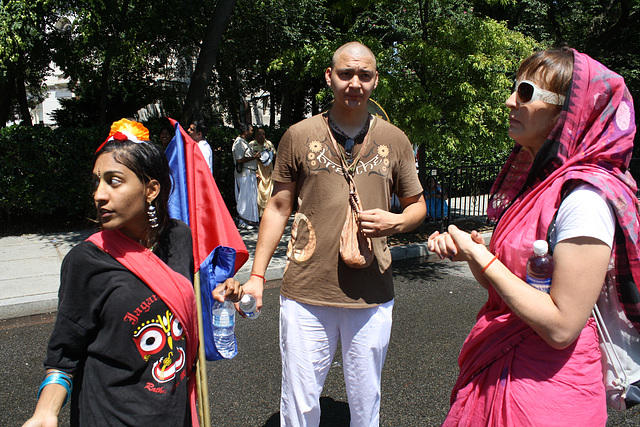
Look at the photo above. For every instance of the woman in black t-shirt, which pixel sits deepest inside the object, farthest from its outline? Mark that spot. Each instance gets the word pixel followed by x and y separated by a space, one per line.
pixel 123 345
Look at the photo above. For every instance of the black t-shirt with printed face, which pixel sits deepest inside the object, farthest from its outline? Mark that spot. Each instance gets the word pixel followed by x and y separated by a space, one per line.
pixel 121 342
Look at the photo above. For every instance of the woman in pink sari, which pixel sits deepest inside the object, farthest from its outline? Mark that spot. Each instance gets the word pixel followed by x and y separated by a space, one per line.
pixel 533 358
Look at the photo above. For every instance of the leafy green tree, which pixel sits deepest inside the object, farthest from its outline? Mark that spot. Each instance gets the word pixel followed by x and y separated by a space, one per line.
pixel 124 55
pixel 270 47
pixel 113 58
pixel 607 30
pixel 202 74
pixel 448 86
pixel 25 27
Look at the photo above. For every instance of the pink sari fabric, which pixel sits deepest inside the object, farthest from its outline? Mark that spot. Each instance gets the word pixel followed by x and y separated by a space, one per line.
pixel 508 374
pixel 172 287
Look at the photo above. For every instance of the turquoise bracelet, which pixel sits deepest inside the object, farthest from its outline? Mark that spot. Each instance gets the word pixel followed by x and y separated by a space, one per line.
pixel 58 377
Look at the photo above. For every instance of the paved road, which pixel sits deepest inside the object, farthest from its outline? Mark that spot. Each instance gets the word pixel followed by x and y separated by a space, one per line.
pixel 435 308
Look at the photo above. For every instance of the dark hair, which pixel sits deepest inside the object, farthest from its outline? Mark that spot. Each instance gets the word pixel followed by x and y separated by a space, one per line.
pixel 148 162
pixel 202 127
pixel 244 127
pixel 552 69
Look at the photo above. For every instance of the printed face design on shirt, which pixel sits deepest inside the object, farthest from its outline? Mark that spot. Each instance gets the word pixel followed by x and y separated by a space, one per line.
pixel 158 338
pixel 322 156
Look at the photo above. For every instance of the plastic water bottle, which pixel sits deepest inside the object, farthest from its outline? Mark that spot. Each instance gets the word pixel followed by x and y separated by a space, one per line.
pixel 249 307
pixel 223 315
pixel 540 267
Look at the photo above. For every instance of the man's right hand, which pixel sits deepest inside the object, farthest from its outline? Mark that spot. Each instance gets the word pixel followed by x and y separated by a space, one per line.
pixel 254 286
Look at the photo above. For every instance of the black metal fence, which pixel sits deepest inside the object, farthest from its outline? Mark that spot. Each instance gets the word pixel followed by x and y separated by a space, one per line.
pixel 464 191
pixel 460 193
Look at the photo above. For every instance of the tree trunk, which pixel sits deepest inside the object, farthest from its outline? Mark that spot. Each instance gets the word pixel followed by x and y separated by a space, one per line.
pixel 21 93
pixel 286 104
pixel 274 98
pixel 234 112
pixel 299 105
pixel 104 88
pixel 206 60
pixel 7 95
pixel 25 114
pixel 315 107
pixel 272 108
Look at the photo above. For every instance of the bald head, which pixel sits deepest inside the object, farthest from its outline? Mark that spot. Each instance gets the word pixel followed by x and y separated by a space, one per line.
pixel 356 49
pixel 352 78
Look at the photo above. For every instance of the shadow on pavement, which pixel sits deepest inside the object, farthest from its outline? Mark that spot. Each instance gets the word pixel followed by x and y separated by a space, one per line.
pixel 334 414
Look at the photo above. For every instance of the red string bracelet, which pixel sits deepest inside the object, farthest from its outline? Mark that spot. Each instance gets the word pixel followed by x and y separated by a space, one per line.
pixel 262 277
pixel 495 257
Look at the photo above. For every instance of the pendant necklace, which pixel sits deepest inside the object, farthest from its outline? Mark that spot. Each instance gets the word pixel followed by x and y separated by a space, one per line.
pixel 348 165
pixel 349 142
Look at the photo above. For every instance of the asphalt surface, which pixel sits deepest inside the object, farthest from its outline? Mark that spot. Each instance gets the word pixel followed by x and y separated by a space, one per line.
pixel 435 307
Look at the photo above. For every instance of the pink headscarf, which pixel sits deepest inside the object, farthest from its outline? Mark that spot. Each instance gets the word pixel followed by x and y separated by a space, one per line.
pixel 592 142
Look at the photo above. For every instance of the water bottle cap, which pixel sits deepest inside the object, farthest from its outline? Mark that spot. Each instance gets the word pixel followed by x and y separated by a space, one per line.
pixel 246 298
pixel 540 247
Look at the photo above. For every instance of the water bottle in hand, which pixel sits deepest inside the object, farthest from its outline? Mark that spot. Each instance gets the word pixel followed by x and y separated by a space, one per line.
pixel 249 306
pixel 223 318
pixel 540 267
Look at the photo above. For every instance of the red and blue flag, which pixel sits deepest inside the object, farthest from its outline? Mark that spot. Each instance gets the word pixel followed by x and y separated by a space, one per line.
pixel 196 200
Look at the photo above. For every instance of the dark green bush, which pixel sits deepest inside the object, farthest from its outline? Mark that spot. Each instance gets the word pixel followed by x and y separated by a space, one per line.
pixel 44 175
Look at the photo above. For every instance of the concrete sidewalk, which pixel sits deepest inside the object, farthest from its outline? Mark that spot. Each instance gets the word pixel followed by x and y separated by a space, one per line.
pixel 30 273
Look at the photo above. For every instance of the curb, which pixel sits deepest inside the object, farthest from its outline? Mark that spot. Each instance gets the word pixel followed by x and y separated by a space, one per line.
pixel 47 302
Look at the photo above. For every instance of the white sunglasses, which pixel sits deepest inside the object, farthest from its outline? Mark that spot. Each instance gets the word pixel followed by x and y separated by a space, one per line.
pixel 527 91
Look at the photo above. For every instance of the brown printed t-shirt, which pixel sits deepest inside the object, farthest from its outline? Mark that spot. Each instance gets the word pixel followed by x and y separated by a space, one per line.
pixel 315 274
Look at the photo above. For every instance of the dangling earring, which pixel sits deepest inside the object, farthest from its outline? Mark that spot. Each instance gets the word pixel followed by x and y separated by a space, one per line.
pixel 153 217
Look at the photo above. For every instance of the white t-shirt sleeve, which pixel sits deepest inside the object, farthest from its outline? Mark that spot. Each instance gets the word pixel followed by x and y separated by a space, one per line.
pixel 238 150
pixel 584 213
pixel 206 152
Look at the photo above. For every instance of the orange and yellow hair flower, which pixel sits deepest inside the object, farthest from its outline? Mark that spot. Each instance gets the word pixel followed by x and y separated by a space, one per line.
pixel 124 130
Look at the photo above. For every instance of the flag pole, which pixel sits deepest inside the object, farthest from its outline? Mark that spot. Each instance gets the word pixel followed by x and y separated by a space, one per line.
pixel 202 385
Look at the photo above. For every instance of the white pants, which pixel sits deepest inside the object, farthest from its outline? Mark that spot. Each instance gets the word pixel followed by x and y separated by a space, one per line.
pixel 246 192
pixel 308 340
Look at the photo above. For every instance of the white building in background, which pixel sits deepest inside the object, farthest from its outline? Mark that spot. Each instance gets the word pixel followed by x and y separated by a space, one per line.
pixel 56 90
pixel 260 111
